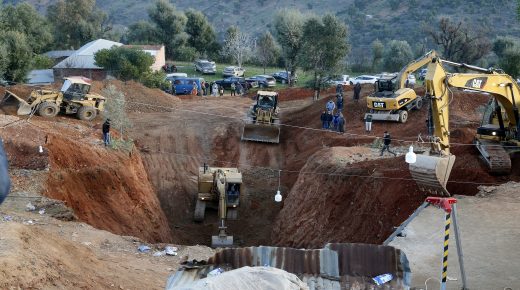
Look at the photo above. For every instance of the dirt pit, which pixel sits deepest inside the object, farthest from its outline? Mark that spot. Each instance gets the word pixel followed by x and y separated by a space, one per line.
pixel 363 198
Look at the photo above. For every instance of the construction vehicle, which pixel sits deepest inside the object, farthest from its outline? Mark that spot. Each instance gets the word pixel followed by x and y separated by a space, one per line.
pixel 72 98
pixel 263 120
pixel 392 99
pixel 219 188
pixel 496 138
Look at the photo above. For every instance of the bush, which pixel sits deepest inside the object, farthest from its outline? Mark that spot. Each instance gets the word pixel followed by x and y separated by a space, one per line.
pixel 124 63
pixel 155 80
pixel 41 61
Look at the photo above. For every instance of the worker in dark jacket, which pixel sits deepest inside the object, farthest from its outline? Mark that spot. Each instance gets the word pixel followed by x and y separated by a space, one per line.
pixel 339 102
pixel 386 143
pixel 339 90
pixel 5 181
pixel 106 132
pixel 357 91
pixel 341 124
pixel 330 118
pixel 323 118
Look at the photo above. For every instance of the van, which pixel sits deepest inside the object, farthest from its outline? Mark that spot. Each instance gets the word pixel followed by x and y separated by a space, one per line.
pixel 184 86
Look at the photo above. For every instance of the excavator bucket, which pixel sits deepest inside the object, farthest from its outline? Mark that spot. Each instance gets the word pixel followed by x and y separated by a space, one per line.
pixel 261 133
pixel 221 241
pixel 11 100
pixel 432 172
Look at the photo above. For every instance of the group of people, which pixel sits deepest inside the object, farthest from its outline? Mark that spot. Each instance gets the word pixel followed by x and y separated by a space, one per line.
pixel 238 88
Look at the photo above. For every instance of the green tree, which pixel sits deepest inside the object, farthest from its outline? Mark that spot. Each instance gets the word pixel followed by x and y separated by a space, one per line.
pixel 169 25
pixel 458 43
pixel 288 31
pixel 142 32
pixel 324 46
pixel 25 19
pixel 4 61
pixel 397 54
pixel 510 61
pixel 18 55
pixel 41 61
pixel 76 22
pixel 266 49
pixel 201 34
pixel 124 63
pixel 502 43
pixel 378 50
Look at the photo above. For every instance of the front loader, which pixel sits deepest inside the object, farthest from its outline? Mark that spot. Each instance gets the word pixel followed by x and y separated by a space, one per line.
pixel 219 188
pixel 263 118
pixel 72 98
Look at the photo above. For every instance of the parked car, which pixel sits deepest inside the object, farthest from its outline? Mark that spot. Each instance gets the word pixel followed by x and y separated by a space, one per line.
pixel 364 79
pixel 263 81
pixel 4 83
pixel 226 83
pixel 205 66
pixel 173 76
pixel 283 76
pixel 411 80
pixel 422 74
pixel 340 80
pixel 233 71
pixel 184 86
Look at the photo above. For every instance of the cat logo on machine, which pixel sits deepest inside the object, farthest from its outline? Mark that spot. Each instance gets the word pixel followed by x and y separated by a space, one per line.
pixel 476 83
pixel 379 104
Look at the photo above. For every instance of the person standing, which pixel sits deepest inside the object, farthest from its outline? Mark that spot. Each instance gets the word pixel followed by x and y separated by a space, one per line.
pixel 214 90
pixel 221 90
pixel 330 106
pixel 368 123
pixel 341 124
pixel 240 89
pixel 330 118
pixel 339 102
pixel 5 180
pixel 323 119
pixel 106 132
pixel 386 144
pixel 207 89
pixel 357 92
pixel 335 121
pixel 233 89
pixel 339 90
pixel 194 89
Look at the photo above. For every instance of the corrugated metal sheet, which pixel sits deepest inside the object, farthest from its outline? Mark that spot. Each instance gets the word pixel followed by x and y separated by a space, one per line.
pixel 336 266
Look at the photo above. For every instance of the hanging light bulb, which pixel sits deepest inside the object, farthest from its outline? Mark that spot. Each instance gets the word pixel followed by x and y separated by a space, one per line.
pixel 278 196
pixel 410 156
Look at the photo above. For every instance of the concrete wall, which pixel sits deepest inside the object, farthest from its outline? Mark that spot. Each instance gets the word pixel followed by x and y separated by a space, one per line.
pixel 160 59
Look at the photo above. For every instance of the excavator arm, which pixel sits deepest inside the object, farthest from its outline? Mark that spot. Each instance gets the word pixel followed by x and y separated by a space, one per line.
pixel 413 66
pixel 222 239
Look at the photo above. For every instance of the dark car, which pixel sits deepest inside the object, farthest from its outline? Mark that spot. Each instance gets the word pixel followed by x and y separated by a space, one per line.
pixel 226 83
pixel 283 77
pixel 263 81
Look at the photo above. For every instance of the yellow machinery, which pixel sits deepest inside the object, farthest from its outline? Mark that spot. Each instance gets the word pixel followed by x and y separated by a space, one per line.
pixel 219 188
pixel 496 138
pixel 392 100
pixel 263 123
pixel 72 98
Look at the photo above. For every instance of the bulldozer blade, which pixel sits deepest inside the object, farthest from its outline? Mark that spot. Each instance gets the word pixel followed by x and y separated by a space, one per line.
pixel 261 133
pixel 431 173
pixel 221 241
pixel 12 100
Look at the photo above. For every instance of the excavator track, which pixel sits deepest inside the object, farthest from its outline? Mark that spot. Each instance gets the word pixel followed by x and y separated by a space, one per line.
pixel 200 209
pixel 496 157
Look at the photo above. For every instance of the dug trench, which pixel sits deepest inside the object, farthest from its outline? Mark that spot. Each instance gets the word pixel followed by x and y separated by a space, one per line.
pixel 335 187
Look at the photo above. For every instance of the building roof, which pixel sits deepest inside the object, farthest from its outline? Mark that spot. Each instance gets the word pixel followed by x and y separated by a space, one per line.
pixel 59 53
pixel 83 58
pixel 336 266
pixel 40 77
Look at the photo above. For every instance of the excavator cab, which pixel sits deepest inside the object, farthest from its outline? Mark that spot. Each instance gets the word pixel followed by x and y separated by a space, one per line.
pixel 263 119
pixel 219 188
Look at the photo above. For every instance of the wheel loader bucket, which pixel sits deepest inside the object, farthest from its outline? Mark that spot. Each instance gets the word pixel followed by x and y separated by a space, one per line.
pixel 11 100
pixel 432 172
pixel 261 133
pixel 221 241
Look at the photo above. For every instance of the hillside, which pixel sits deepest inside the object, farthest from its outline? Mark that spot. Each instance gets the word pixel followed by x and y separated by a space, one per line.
pixel 366 21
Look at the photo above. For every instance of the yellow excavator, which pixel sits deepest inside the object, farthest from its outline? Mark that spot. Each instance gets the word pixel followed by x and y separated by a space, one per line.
pixel 219 188
pixel 263 118
pixel 392 99
pixel 497 136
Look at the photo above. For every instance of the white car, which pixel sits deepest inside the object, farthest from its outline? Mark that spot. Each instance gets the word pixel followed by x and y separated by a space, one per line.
pixel 341 80
pixel 411 80
pixel 363 79
pixel 233 71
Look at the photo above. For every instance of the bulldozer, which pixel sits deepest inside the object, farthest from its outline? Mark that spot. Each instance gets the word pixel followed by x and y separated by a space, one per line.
pixel 219 188
pixel 497 137
pixel 72 98
pixel 392 99
pixel 263 121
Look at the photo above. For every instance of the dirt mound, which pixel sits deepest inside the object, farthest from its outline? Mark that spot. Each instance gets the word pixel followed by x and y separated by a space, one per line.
pixel 341 201
pixel 138 97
